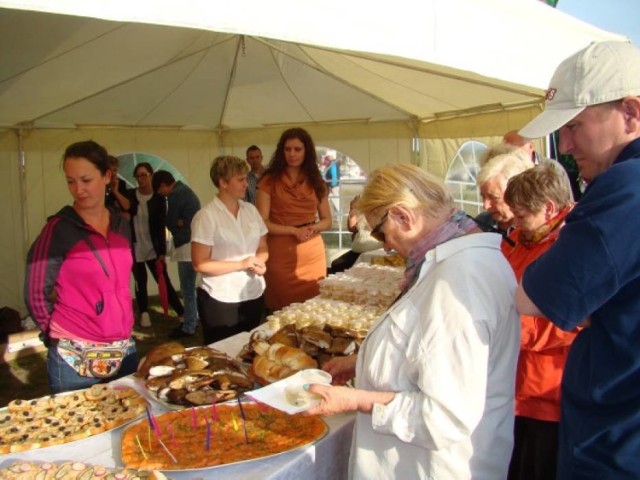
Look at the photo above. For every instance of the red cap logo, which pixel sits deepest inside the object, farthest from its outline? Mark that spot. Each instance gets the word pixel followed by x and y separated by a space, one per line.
pixel 551 92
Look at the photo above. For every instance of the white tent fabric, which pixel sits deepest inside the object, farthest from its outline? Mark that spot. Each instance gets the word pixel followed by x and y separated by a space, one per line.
pixel 188 80
pixel 318 61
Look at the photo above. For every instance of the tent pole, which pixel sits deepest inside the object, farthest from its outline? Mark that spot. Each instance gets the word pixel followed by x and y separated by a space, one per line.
pixel 416 153
pixel 23 189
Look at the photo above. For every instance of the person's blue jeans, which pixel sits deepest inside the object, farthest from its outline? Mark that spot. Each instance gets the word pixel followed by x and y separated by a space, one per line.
pixel 63 378
pixel 187 276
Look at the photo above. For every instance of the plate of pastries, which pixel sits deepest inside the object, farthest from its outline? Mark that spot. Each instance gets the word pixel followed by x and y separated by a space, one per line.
pixel 274 357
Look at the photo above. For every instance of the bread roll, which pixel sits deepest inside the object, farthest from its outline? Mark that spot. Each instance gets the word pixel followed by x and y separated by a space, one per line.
pixel 270 371
pixel 279 361
pixel 291 357
pixel 157 354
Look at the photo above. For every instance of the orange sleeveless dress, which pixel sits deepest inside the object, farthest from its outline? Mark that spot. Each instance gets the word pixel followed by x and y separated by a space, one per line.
pixel 293 268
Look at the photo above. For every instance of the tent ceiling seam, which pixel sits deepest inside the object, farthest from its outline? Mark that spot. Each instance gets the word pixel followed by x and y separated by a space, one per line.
pixel 386 59
pixel 61 54
pixel 232 76
pixel 125 82
pixel 176 86
pixel 397 107
pixel 284 79
pixel 313 64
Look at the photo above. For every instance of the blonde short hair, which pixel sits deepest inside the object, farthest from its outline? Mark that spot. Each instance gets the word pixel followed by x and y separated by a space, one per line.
pixel 226 166
pixel 405 185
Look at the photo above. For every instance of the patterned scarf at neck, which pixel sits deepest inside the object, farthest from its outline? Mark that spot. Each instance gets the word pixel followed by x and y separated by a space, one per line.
pixel 457 225
pixel 544 230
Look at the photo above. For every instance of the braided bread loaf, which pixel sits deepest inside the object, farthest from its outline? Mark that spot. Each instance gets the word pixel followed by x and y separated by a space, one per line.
pixel 277 361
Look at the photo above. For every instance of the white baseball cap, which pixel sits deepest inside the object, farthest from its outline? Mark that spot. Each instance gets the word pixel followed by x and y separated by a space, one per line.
pixel 602 72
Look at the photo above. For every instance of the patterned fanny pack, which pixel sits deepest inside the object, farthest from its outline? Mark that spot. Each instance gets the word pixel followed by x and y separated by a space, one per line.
pixel 97 360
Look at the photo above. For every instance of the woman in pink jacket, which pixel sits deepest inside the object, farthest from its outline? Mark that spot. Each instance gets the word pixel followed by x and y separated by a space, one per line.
pixel 77 279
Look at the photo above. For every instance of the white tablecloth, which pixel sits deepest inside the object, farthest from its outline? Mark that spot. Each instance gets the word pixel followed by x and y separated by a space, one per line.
pixel 326 459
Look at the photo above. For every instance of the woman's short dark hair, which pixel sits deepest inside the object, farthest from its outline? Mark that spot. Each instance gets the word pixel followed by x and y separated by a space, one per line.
pixel 91 151
pixel 160 177
pixel 146 165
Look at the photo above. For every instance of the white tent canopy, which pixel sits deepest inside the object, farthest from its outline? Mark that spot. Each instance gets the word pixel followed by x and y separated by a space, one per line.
pixel 253 64
pixel 187 80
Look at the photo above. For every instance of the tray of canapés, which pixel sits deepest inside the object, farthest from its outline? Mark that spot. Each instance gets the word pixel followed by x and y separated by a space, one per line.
pixel 28 470
pixel 67 417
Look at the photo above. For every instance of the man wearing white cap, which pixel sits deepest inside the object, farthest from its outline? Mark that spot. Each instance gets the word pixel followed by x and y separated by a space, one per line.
pixel 591 275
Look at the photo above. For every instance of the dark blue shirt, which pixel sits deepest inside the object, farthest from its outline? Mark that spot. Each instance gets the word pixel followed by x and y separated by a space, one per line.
pixel 593 271
pixel 183 204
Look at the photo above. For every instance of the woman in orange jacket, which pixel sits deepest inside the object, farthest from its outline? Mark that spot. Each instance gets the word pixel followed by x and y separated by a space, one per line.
pixel 540 199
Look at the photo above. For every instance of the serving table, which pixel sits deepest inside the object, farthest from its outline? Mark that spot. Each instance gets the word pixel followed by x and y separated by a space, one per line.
pixel 327 458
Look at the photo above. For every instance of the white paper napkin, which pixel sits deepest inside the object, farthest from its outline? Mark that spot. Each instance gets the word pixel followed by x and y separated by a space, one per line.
pixel 274 394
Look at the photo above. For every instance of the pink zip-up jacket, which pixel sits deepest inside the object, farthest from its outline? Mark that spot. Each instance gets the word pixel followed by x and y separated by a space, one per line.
pixel 78 281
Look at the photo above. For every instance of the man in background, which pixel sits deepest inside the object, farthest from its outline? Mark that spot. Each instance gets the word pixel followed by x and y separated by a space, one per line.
pixel 591 274
pixel 117 191
pixel 182 206
pixel 254 159
pixel 514 139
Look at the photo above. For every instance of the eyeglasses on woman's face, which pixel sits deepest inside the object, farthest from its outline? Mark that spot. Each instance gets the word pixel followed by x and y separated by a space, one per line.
pixel 377 232
pixel 142 175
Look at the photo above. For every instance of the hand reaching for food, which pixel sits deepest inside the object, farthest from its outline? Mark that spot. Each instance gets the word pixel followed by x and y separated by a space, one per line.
pixel 342 369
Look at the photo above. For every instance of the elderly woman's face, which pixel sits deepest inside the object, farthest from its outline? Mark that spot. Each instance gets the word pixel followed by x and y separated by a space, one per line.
pixel 528 221
pixel 386 229
pixel 492 192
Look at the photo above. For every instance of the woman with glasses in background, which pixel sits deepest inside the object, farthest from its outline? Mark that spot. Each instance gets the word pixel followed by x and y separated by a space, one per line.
pixel 434 378
pixel 148 221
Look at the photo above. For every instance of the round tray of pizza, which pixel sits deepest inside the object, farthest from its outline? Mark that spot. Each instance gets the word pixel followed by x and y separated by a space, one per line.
pixel 212 436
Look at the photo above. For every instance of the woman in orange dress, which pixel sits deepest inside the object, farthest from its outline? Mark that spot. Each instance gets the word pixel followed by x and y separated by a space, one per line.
pixel 292 199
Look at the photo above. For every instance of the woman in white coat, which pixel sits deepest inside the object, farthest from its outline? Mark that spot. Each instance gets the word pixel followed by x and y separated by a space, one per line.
pixel 435 376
